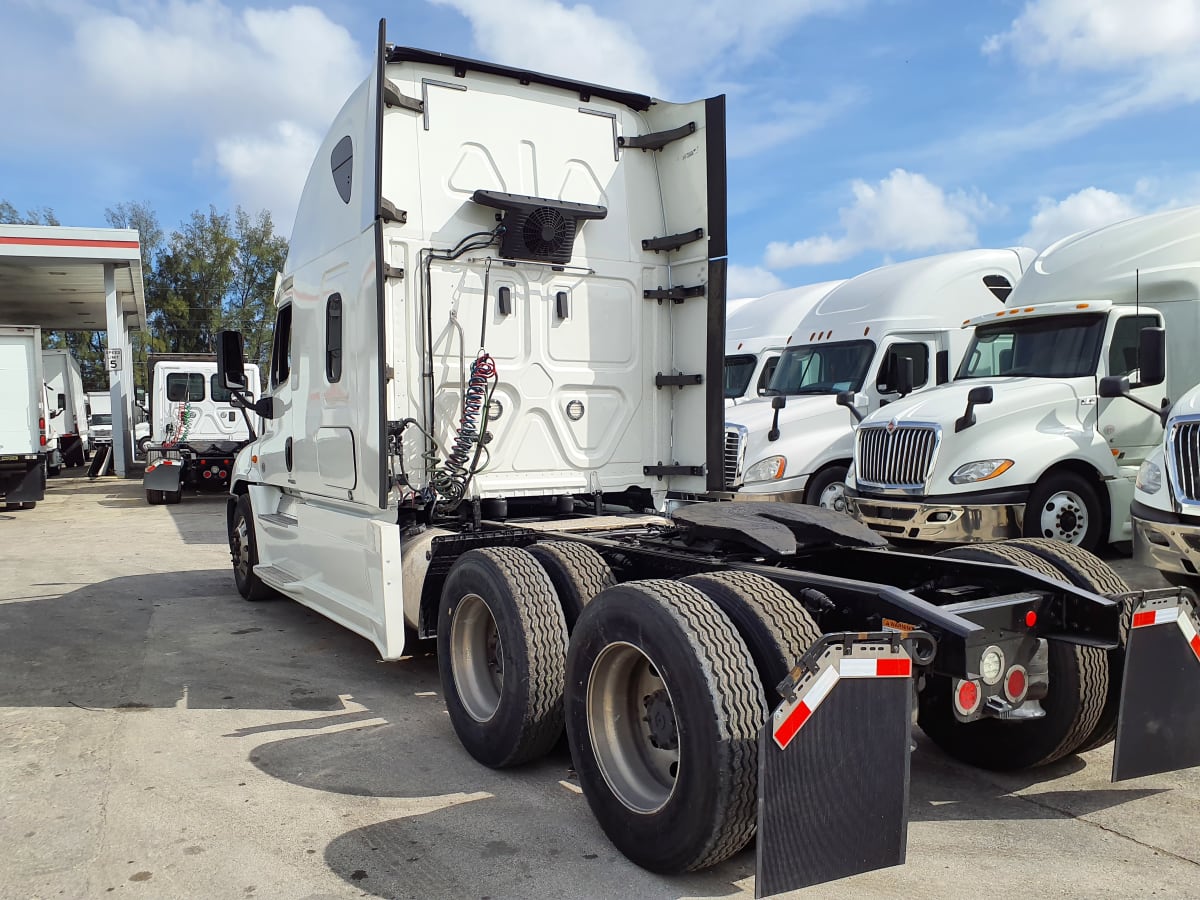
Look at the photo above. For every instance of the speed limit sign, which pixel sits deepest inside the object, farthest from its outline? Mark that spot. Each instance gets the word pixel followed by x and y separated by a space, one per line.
pixel 114 359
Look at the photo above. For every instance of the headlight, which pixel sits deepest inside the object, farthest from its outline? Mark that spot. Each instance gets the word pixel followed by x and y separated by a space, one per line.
pixel 991 665
pixel 1149 478
pixel 980 470
pixel 769 469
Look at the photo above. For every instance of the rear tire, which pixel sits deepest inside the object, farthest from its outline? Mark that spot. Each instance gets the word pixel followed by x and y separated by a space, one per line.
pixel 243 551
pixel 142 444
pixel 1073 704
pixel 577 572
pixel 154 498
pixel 172 497
pixel 663 715
pixel 28 504
pixel 776 628
pixel 1084 570
pixel 502 647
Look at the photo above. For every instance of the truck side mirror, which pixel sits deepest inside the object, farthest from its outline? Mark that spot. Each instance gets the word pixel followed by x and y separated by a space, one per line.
pixel 231 368
pixel 778 402
pixel 266 407
pixel 1114 386
pixel 979 396
pixel 1152 356
pixel 847 399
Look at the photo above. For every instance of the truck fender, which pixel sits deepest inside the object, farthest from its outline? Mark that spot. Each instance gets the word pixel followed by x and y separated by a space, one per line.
pixel 165 475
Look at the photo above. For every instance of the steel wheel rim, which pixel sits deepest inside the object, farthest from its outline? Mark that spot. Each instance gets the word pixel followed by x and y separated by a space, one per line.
pixel 1064 517
pixel 631 721
pixel 834 496
pixel 476 658
pixel 241 548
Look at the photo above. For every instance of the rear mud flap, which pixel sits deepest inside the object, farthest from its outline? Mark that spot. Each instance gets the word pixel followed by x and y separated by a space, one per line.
pixel 1159 725
pixel 163 477
pixel 834 763
pixel 101 460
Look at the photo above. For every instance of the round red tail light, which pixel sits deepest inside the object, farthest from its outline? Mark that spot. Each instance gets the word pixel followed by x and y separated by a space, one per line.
pixel 1016 684
pixel 207 474
pixel 967 697
pixel 1030 619
pixel 224 474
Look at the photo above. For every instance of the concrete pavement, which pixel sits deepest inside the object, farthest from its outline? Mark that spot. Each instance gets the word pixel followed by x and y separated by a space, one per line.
pixel 160 737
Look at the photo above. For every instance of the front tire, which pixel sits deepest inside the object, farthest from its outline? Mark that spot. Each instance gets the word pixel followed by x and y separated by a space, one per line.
pixel 502 647
pixel 663 713
pixel 1064 506
pixel 243 551
pixel 828 489
pixel 1073 704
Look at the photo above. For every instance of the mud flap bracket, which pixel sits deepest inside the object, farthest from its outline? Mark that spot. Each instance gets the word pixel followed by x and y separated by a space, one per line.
pixel 1159 725
pixel 834 762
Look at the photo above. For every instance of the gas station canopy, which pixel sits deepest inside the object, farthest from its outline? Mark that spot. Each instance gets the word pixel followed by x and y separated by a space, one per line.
pixel 53 277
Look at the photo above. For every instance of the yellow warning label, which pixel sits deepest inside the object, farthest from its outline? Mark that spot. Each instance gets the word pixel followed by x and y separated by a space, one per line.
pixel 903 627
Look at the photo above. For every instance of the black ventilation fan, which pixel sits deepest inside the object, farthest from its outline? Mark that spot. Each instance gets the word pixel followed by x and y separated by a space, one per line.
pixel 538 229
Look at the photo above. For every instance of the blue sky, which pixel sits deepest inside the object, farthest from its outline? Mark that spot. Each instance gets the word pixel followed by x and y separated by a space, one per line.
pixel 860 131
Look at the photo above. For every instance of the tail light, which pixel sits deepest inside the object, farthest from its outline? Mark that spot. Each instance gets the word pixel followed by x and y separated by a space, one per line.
pixel 1016 684
pixel 207 474
pixel 967 697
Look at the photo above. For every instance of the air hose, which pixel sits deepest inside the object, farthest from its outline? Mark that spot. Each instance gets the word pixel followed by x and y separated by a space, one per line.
pixel 451 480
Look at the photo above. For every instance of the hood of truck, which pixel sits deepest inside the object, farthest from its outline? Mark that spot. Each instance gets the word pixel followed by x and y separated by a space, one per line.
pixel 1032 421
pixel 811 429
pixel 1188 404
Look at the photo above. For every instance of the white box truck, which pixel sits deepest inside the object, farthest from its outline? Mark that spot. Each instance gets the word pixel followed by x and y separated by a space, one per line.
pixel 22 418
pixel 796 444
pixel 67 421
pixel 758 331
pixel 498 344
pixel 194 431
pixel 1024 441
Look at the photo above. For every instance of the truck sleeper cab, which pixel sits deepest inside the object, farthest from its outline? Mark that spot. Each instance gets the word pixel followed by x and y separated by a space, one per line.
pixel 796 444
pixel 1026 441
pixel 495 332
pixel 758 331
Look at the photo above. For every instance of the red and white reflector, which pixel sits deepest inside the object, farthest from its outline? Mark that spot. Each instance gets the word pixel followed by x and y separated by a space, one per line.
pixel 791 716
pixel 1190 633
pixel 1167 615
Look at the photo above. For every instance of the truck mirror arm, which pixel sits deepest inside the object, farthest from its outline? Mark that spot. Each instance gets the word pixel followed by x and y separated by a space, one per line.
pixel 236 398
pixel 1118 386
pixel 846 399
pixel 979 396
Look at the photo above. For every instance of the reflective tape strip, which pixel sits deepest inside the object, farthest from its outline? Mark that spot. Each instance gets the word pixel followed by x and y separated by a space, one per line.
pixel 1190 635
pixel 896 667
pixel 808 704
pixel 1155 617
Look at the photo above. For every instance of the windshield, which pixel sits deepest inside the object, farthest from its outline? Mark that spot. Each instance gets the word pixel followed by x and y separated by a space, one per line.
pixel 1044 347
pixel 738 370
pixel 101 419
pixel 823 368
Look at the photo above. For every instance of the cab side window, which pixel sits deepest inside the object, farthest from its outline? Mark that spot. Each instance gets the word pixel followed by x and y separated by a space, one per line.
pixel 281 348
pixel 889 370
pixel 1123 352
pixel 764 380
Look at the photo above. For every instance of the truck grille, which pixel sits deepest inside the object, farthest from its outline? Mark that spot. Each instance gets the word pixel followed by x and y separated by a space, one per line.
pixel 1185 455
pixel 732 460
pixel 902 457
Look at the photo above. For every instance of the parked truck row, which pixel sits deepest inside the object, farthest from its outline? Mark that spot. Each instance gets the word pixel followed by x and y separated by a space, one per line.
pixel 498 348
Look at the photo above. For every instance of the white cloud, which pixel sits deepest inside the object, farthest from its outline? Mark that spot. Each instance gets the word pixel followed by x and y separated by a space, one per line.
pixel 1100 34
pixel 751 281
pixel 787 120
pixel 266 171
pixel 1089 208
pixel 544 35
pixel 904 212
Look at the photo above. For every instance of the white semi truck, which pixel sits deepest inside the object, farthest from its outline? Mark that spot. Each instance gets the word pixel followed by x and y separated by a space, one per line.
pixel 796 444
pixel 1025 441
pixel 757 332
pixel 498 342
pixel 22 418
pixel 67 423
pixel 194 431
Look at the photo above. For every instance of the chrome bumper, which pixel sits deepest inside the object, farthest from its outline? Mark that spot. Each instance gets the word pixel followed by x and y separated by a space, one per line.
pixel 1166 546
pixel 938 521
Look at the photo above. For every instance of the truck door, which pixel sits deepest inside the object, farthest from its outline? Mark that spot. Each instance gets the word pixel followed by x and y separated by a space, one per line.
pixel 226 421
pixel 884 388
pixel 276 453
pixel 1129 429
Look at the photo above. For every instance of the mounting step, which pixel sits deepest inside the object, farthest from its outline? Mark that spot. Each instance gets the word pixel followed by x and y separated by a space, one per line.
pixel 393 98
pixel 677 294
pixel 680 381
pixel 656 140
pixel 661 471
pixel 673 241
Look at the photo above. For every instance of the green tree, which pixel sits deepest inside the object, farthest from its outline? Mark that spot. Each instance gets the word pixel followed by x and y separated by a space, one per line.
pixel 193 276
pixel 42 216
pixel 250 308
pixel 141 217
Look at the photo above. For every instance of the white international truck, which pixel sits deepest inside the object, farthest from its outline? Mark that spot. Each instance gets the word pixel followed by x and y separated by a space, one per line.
pixel 67 422
pixel 1025 441
pixel 758 331
pixel 796 444
pixel 22 418
pixel 497 346
pixel 194 430
pixel 100 422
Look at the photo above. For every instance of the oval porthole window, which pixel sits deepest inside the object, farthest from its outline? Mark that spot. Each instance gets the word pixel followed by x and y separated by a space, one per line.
pixel 342 163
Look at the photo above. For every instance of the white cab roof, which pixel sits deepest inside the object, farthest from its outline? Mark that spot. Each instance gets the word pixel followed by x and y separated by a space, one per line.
pixel 1153 258
pixel 777 313
pixel 933 292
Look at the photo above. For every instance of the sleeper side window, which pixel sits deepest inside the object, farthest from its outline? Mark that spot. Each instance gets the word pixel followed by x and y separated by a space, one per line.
pixel 281 349
pixel 1123 352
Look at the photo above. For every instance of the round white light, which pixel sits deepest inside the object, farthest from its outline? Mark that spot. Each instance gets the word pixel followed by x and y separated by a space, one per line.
pixel 991 665
pixel 575 410
pixel 495 410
